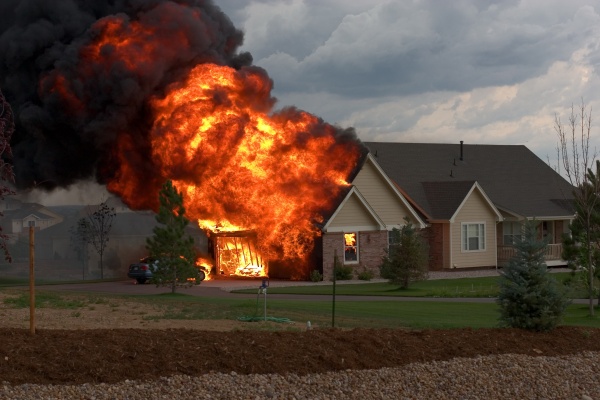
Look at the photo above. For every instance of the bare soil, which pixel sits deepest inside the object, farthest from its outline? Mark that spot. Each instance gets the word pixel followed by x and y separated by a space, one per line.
pixel 110 343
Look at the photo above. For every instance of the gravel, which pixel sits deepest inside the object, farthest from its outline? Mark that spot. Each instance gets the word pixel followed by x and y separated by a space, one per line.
pixel 484 377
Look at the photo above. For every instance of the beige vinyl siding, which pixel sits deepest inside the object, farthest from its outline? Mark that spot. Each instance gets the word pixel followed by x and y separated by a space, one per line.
pixel 380 196
pixel 474 210
pixel 353 215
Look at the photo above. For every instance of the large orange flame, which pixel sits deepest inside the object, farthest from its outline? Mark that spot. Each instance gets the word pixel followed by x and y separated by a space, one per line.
pixel 239 164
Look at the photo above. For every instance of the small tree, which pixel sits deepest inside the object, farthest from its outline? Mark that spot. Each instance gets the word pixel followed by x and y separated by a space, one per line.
pixel 407 259
pixel 529 297
pixel 576 160
pixel 581 248
pixel 95 229
pixel 80 241
pixel 7 127
pixel 171 246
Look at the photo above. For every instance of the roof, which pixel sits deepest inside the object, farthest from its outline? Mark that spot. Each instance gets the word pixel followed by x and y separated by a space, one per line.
pixel 512 176
pixel 444 198
pixel 31 209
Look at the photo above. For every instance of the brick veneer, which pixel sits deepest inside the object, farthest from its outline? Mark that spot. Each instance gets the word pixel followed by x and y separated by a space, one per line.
pixel 435 237
pixel 371 250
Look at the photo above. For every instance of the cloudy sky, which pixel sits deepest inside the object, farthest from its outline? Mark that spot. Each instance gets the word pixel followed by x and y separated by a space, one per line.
pixel 431 71
pixel 428 70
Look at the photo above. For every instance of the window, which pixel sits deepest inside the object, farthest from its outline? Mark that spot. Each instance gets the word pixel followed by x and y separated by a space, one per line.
pixel 548 231
pixel 393 239
pixel 473 236
pixel 350 247
pixel 511 233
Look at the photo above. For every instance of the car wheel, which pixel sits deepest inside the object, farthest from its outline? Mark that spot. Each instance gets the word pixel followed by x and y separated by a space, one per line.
pixel 201 276
pixel 141 281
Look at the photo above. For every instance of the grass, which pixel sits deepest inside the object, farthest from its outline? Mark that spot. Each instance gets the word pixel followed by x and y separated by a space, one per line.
pixel 382 313
pixel 484 287
pixel 47 300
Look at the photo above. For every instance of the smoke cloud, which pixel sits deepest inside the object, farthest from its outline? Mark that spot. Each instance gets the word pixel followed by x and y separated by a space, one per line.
pixel 69 112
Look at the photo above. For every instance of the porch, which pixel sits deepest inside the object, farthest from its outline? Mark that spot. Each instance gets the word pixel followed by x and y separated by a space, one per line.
pixel 552 255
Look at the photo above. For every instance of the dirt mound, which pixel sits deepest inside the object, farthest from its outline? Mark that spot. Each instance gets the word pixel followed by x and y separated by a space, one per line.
pixel 111 355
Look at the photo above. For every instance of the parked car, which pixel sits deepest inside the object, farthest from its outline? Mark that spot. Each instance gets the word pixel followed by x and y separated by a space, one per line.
pixel 142 271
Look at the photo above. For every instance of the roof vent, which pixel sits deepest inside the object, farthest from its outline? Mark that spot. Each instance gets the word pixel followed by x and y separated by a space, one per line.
pixel 461 150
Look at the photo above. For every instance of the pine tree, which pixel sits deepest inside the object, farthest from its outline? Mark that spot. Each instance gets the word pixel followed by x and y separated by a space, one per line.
pixel 170 246
pixel 407 259
pixel 529 297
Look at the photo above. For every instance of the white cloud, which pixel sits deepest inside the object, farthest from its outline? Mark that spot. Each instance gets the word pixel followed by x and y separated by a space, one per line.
pixel 432 71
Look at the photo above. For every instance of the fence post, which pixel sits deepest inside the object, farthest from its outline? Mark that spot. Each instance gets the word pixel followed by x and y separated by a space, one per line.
pixel 335 262
pixel 32 277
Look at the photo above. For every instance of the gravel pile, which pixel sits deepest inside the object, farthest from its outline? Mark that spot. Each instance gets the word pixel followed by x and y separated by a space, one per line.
pixel 485 377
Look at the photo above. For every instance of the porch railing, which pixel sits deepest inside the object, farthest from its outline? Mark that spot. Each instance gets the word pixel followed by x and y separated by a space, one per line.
pixel 553 253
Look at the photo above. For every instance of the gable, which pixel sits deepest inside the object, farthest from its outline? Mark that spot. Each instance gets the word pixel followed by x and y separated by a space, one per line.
pixel 474 208
pixel 353 214
pixel 383 196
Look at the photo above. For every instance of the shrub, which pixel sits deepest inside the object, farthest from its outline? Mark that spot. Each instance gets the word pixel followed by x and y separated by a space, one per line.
pixel 316 276
pixel 343 272
pixel 366 275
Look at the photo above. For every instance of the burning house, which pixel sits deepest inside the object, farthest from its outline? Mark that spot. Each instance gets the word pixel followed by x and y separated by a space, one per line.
pixel 135 93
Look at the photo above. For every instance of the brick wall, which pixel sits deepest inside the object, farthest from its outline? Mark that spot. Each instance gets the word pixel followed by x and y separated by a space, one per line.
pixel 435 236
pixel 371 249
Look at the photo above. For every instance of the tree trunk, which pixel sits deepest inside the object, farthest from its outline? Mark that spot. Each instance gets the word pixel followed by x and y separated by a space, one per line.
pixel 590 270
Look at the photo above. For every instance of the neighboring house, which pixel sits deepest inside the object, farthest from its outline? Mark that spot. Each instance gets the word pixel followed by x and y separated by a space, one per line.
pixel 18 220
pixel 472 198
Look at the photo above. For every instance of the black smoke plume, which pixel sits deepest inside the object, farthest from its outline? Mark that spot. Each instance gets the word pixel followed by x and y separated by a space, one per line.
pixel 42 44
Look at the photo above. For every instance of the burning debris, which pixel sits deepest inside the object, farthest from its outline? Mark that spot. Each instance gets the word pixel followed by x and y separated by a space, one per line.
pixel 135 93
pixel 236 253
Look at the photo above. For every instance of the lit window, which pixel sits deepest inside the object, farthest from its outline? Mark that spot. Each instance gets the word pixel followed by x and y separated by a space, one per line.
pixel 350 247
pixel 473 237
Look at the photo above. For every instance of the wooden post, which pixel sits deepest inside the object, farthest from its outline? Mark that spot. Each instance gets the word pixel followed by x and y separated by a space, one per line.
pixel 31 277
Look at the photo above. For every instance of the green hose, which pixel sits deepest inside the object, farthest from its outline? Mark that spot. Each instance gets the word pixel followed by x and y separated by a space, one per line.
pixel 256 318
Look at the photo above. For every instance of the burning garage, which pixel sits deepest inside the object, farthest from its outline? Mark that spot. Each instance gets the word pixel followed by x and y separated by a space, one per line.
pixel 135 93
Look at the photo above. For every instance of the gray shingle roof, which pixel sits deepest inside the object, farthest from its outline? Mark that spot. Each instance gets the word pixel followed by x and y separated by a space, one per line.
pixel 443 198
pixel 512 176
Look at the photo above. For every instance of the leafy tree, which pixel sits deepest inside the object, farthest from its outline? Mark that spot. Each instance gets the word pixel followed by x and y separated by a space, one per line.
pixel 582 247
pixel 7 128
pixel 80 241
pixel 95 229
pixel 529 297
pixel 408 257
pixel 171 246
pixel 576 161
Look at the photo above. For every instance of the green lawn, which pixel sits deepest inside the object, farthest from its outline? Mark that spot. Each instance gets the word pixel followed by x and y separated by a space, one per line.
pixel 464 287
pixel 348 314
